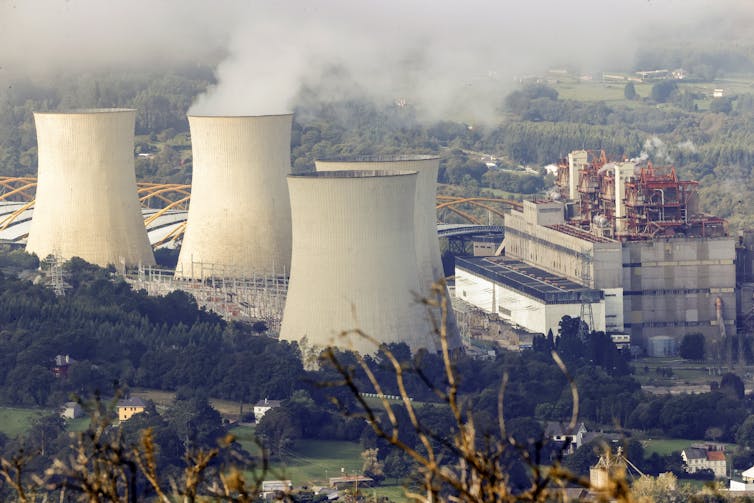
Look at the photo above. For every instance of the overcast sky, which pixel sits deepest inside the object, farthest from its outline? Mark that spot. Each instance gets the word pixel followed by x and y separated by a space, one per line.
pixel 432 52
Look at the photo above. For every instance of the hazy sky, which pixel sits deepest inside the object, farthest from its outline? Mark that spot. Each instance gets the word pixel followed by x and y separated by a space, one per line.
pixel 434 53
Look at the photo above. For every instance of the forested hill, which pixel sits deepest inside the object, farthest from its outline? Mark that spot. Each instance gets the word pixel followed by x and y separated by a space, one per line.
pixel 120 337
pixel 669 122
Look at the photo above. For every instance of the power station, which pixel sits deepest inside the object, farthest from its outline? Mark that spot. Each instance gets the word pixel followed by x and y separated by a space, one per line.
pixel 86 203
pixel 354 246
pixel 425 219
pixel 354 261
pixel 239 219
pixel 621 241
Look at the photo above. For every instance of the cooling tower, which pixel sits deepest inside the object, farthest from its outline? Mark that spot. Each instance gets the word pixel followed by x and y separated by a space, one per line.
pixel 86 203
pixel 353 261
pixel 428 257
pixel 239 219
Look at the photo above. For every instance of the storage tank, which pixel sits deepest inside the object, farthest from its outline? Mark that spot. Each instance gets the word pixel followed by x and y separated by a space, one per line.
pixel 86 201
pixel 428 257
pixel 353 264
pixel 239 219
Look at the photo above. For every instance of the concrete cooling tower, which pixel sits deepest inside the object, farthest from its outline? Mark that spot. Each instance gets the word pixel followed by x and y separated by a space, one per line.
pixel 425 217
pixel 86 203
pixel 239 219
pixel 353 261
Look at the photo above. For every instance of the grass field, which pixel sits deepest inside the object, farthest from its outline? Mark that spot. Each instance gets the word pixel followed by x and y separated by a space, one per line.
pixel 311 462
pixel 666 446
pixel 612 92
pixel 683 372
pixel 15 420
pixel 164 399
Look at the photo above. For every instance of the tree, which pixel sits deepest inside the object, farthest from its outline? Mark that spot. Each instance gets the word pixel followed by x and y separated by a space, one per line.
pixel 721 105
pixel 692 347
pixel 732 385
pixel 629 91
pixel 278 430
pixel 372 466
pixel 745 433
pixel 663 91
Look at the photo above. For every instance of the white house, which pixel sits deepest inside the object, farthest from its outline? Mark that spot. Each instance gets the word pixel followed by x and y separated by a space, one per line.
pixel 557 432
pixel 747 484
pixel 697 459
pixel 262 406
pixel 71 410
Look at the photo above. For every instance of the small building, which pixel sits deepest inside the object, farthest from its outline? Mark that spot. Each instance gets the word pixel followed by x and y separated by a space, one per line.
pixel 262 406
pixel 61 365
pixel 747 484
pixel 276 489
pixel 129 407
pixel 71 410
pixel 347 481
pixel 558 432
pixel 621 340
pixel 696 459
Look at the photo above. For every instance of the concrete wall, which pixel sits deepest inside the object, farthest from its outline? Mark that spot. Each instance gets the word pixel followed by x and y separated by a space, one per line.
pixel 428 256
pixel 354 261
pixel 670 287
pixel 86 203
pixel 239 220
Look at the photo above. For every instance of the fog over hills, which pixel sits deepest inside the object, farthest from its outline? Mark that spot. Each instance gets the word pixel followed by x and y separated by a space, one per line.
pixel 441 56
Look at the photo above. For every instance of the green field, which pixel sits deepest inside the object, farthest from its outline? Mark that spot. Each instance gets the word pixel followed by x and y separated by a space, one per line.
pixel 311 462
pixel 684 372
pixel 666 446
pixel 14 420
pixel 164 399
pixel 571 88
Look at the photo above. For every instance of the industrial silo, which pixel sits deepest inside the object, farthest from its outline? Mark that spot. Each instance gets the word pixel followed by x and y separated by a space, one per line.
pixel 86 202
pixel 353 263
pixel 239 219
pixel 428 257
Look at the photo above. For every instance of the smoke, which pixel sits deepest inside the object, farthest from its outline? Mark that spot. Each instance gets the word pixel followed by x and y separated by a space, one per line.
pixel 687 146
pixel 447 59
pixel 656 150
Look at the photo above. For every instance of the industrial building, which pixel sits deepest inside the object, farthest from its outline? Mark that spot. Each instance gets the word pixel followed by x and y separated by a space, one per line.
pixel 239 220
pixel 354 262
pixel 524 295
pixel 427 244
pixel 86 203
pixel 634 232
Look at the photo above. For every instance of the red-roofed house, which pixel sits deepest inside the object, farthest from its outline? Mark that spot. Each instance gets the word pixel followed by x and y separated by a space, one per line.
pixel 697 459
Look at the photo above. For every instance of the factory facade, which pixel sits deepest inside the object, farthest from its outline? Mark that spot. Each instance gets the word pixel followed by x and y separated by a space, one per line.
pixel 628 231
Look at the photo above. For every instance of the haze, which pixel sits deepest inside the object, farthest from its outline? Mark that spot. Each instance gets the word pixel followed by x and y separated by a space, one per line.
pixel 446 58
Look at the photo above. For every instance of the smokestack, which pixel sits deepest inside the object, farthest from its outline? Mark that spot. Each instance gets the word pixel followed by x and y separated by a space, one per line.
pixel 239 219
pixel 428 256
pixel 86 203
pixel 353 264
pixel 576 160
